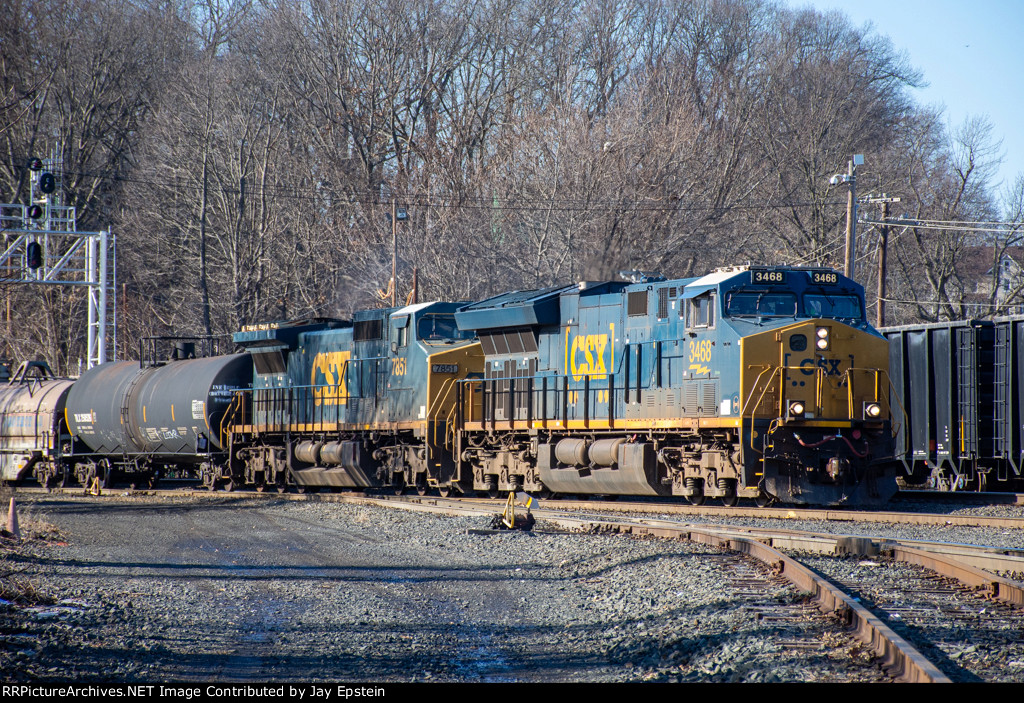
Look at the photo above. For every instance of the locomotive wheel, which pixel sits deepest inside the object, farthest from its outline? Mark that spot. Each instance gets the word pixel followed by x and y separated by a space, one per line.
pixel 398 487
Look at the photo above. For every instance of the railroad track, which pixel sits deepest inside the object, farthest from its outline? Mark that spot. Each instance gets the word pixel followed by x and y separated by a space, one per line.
pixel 923 638
pixel 614 506
pixel 931 611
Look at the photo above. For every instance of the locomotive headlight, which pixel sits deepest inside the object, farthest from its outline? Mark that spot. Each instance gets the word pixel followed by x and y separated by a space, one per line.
pixel 872 411
pixel 822 342
pixel 796 408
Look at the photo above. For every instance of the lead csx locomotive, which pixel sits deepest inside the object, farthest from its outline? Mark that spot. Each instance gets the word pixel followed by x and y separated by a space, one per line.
pixel 760 382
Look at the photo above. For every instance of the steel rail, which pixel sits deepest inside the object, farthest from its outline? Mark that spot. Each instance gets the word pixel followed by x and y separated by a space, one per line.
pixel 899 657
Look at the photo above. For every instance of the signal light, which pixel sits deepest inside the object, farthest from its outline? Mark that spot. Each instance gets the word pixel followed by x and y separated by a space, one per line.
pixel 35 164
pixel 35 211
pixel 47 183
pixel 34 255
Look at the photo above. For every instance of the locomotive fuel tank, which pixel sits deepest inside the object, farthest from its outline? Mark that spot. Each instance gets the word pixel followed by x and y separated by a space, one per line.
pixel 171 411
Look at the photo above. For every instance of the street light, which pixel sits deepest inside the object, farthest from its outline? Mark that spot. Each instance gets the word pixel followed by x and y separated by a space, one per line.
pixel 850 179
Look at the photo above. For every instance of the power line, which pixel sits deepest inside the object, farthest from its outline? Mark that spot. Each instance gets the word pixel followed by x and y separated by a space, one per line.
pixel 944 226
pixel 481 202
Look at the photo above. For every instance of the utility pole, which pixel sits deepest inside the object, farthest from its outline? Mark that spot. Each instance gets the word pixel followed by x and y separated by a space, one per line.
pixel 851 221
pixel 884 201
pixel 880 319
pixel 850 179
pixel 397 213
pixel 394 252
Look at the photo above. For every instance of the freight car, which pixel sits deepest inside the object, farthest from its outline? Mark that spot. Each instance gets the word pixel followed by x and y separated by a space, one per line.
pixel 135 420
pixel 962 386
pixel 33 434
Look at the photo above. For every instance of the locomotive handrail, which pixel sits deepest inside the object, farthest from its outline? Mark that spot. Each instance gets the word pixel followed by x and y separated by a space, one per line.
pixel 446 388
pixel 560 390
pixel 753 412
pixel 227 419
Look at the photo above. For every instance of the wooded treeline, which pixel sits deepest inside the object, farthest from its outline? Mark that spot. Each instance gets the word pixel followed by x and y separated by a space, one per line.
pixel 532 142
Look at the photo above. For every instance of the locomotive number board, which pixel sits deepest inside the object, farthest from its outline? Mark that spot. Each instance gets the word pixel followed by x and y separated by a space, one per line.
pixel 824 277
pixel 767 276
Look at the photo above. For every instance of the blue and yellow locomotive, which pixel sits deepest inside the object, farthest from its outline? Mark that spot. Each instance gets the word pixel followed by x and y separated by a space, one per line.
pixel 361 403
pixel 763 382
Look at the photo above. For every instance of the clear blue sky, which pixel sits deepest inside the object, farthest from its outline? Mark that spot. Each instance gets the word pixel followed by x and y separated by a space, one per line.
pixel 971 53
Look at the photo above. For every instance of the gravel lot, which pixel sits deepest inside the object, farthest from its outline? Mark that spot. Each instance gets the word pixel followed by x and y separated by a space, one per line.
pixel 269 590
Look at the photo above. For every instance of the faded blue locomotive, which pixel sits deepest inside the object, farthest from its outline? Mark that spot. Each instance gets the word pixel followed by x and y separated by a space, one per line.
pixel 360 403
pixel 765 382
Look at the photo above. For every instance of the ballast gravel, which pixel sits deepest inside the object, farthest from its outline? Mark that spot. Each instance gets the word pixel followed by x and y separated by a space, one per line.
pixel 147 590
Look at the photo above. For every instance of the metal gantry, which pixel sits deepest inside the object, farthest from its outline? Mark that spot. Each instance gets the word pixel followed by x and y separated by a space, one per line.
pixel 42 246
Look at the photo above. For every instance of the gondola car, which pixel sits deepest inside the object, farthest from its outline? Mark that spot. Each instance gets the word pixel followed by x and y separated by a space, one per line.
pixel 962 386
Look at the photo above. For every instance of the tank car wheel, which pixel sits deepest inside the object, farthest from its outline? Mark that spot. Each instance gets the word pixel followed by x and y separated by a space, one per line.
pixel 763 500
pixel 492 493
pixel 730 500
pixel 422 488
pixel 545 494
pixel 696 499
pixel 444 491
pixel 261 488
pixel 281 487
pixel 229 485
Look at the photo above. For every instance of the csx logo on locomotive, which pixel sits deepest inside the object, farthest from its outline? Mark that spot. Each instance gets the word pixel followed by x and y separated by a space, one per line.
pixel 585 356
pixel 328 378
pixel 829 366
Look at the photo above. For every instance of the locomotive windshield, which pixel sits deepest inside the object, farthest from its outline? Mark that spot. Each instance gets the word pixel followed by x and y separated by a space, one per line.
pixel 834 306
pixel 440 328
pixel 760 304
